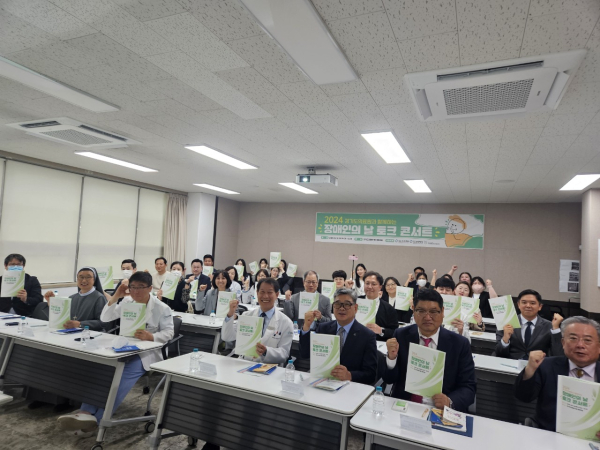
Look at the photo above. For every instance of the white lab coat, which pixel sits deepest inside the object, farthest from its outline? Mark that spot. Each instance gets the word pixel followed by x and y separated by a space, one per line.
pixel 159 322
pixel 277 338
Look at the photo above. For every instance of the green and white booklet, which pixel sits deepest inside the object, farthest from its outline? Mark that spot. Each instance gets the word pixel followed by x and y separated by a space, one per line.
pixel 59 311
pixel 328 289
pixel 12 282
pixel 223 299
pixel 208 270
pixel 133 318
pixel 402 300
pixel 452 308
pixel 274 259
pixel 291 270
pixel 249 333
pixel 468 307
pixel 367 310
pixel 169 285
pixel 240 272
pixel 324 354
pixel 194 290
pixel 504 312
pixel 577 408
pixel 106 277
pixel 424 371
pixel 253 267
pixel 308 302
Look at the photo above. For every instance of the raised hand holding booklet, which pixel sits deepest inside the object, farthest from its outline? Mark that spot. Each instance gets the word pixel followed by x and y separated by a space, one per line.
pixel 403 296
pixel 59 312
pixel 133 318
pixel 253 267
pixel 223 300
pixel 577 408
pixel 169 285
pixel 452 308
pixel 425 370
pixel 274 259
pixel 194 290
pixel 208 270
pixel 328 289
pixel 240 272
pixel 308 302
pixel 367 310
pixel 249 333
pixel 504 312
pixel 291 270
pixel 468 307
pixel 324 354
pixel 106 277
pixel 13 281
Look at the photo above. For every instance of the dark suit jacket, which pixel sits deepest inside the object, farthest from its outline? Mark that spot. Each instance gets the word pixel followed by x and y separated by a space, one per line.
pixel 459 369
pixel 386 318
pixel 541 339
pixel 34 296
pixel 484 305
pixel 177 303
pixel 359 354
pixel 543 386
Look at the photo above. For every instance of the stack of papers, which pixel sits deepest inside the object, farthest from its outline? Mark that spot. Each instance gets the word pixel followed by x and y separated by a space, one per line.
pixel 264 369
pixel 329 385
pixel 448 419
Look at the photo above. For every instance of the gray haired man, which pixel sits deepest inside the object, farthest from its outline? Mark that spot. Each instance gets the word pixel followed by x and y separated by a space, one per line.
pixel 291 306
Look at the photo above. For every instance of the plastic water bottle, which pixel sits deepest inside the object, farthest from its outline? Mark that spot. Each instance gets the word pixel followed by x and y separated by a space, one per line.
pixel 22 325
pixel 296 328
pixel 55 293
pixel 85 335
pixel 290 372
pixel 195 361
pixel 378 401
pixel 213 318
pixel 253 299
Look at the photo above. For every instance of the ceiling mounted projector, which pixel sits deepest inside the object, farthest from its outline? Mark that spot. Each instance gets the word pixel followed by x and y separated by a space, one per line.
pixel 313 178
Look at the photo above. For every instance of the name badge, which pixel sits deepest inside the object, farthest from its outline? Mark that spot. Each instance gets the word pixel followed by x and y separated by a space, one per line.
pixel 292 388
pixel 207 368
pixel 409 423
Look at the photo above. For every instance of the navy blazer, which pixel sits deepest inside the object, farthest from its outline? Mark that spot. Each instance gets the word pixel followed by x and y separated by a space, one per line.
pixel 459 369
pixel 359 354
pixel 543 386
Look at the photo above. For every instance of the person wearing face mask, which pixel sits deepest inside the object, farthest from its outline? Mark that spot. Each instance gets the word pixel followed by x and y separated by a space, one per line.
pixel 128 268
pixel 464 290
pixel 478 286
pixel 26 299
pixel 178 303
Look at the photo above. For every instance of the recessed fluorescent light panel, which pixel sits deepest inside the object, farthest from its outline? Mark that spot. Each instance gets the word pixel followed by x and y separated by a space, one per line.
pixel 299 188
pixel 214 154
pixel 39 82
pixel 418 186
pixel 298 28
pixel 387 146
pixel 115 161
pixel 215 188
pixel 580 182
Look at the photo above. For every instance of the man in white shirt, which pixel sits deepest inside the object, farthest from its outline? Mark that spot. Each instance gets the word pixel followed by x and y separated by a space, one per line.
pixel 160 264
pixel 159 328
pixel 278 331
pixel 539 379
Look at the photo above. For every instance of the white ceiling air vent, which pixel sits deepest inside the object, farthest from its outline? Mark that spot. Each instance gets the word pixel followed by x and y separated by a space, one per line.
pixel 69 131
pixel 499 89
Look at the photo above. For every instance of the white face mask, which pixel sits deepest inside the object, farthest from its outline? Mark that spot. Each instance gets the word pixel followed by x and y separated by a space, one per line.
pixel 127 274
pixel 177 273
pixel 421 282
pixel 477 288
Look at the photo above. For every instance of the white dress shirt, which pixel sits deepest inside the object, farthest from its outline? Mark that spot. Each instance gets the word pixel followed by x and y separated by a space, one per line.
pixel 523 322
pixel 589 372
pixel 391 363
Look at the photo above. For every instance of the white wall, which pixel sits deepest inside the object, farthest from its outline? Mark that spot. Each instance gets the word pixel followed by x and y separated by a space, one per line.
pixel 200 226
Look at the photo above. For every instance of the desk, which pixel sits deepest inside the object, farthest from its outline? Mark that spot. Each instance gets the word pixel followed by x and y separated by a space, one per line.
pixel 62 366
pixel 241 410
pixel 198 333
pixel 483 342
pixel 490 324
pixel 384 433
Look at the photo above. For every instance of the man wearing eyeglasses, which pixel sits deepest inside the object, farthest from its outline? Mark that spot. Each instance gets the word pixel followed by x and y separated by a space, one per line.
pixel 459 385
pixel 539 379
pixel 291 307
pixel 358 356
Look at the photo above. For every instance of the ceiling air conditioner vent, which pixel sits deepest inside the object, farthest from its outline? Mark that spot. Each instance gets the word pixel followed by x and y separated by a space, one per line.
pixel 72 132
pixel 501 89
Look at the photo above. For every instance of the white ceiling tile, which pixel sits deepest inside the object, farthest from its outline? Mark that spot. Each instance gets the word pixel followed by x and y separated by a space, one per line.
pixel 362 111
pixel 87 10
pixel 253 85
pixel 521 136
pixel 17 34
pixel 549 150
pixel 350 87
pixel 533 120
pixel 492 41
pixel 184 94
pixel 560 124
pixel 543 7
pixel 477 131
pixel 289 113
pixel 49 18
pixel 186 33
pixel 144 10
pixel 391 97
pixel 580 98
pixel 346 8
pixel 11 91
pixel 592 129
pixel 590 68
pixel 38 62
pixel 584 147
pixel 566 30
pixel 266 57
pixel 228 19
pixel 368 41
pixel 193 74
pixel 411 19
pixel 438 51
pixel 483 154
pixel 448 133
pixel 387 87
pixel 308 96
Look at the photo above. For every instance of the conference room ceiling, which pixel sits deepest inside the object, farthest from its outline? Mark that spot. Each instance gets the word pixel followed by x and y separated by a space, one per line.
pixel 153 58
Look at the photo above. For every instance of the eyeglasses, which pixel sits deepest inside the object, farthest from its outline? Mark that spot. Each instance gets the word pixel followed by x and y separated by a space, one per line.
pixel 586 341
pixel 138 288
pixel 311 282
pixel 82 278
pixel 391 285
pixel 372 284
pixel 422 313
pixel 345 305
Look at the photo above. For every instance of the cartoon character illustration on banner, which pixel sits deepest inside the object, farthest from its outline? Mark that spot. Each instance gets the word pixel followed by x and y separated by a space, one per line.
pixel 455 232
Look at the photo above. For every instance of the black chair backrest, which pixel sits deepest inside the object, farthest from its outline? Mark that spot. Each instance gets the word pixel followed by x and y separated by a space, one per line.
pixel 41 312
pixel 174 347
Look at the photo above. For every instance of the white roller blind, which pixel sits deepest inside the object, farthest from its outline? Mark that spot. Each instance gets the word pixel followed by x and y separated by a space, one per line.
pixel 40 213
pixel 108 215
pixel 151 221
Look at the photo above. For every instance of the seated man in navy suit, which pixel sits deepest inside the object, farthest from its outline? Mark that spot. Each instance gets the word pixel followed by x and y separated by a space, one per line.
pixel 458 390
pixel 358 358
pixel 539 379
